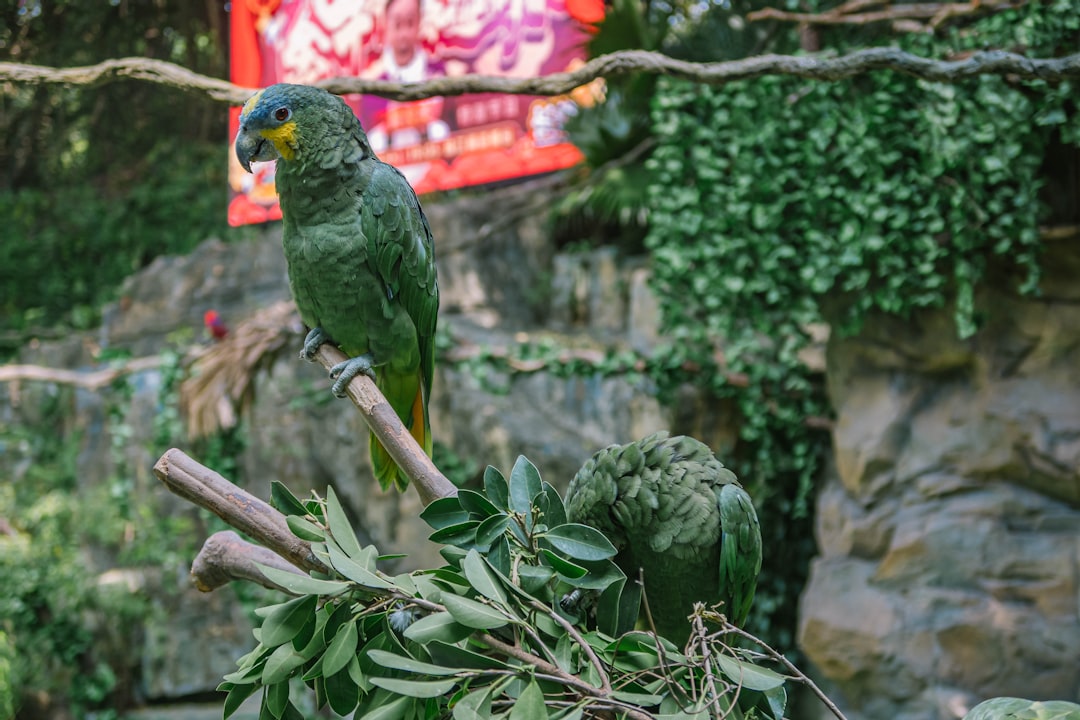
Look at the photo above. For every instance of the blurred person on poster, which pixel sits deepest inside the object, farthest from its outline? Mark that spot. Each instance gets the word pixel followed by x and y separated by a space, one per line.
pixel 404 59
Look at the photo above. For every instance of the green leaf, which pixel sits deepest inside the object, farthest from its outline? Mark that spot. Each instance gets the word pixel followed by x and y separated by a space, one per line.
pixel 415 688
pixel 302 584
pixel 397 662
pixel 551 506
pixel 277 697
pixel 777 701
pixel 458 657
pixel 437 626
pixel 534 577
pixel 281 664
pixel 236 697
pixel 481 578
pixel 305 529
pixel 496 489
pixel 748 675
pixel 499 556
pixel 394 709
pixel 491 530
pixel 354 570
pixel 525 483
pixel 283 499
pixel 643 699
pixel 341 649
pixel 562 565
pixel 476 503
pixel 460 535
pixel 580 542
pixel 287 620
pixel 339 524
pixel 530 704
pixel 444 512
pixel 474 706
pixel 342 692
pixel 473 614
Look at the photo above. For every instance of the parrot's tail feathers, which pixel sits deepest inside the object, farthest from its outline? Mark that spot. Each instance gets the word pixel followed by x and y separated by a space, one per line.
pixel 421 425
pixel 385 469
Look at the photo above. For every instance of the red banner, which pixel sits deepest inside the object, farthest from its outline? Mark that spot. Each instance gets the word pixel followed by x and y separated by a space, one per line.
pixel 438 143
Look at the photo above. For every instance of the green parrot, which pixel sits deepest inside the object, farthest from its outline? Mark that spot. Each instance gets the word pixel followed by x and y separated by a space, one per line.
pixel 674 512
pixel 359 250
pixel 1010 708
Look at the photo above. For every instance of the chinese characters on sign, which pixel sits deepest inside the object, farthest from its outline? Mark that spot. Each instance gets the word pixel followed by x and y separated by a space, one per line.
pixel 438 143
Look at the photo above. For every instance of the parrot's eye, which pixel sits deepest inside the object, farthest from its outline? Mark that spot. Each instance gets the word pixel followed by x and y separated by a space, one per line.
pixel 281 114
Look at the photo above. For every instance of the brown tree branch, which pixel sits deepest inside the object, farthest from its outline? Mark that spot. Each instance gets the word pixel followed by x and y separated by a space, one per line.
pixel 240 509
pixel 225 557
pixel 430 484
pixel 993 62
pixel 94 380
pixel 845 15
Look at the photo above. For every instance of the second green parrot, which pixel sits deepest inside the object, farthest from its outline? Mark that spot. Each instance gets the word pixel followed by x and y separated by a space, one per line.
pixel 675 513
pixel 360 253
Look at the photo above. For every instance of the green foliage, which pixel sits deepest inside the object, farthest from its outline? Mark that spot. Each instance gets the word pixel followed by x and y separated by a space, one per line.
pixel 495 632
pixel 95 183
pixel 67 627
pixel 777 203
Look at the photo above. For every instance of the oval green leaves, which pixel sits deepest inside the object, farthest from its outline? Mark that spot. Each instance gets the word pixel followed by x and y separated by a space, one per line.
pixel 580 542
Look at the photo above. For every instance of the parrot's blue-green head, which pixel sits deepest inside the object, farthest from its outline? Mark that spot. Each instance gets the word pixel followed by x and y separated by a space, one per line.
pixel 280 121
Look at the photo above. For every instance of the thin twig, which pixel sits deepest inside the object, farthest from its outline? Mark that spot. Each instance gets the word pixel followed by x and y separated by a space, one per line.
pixel 605 681
pixel 790 666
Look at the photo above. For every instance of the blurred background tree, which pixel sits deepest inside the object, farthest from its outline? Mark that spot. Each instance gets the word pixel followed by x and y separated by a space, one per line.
pixel 95 184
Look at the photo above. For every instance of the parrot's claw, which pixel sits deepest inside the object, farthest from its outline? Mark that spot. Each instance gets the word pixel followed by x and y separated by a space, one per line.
pixel 312 342
pixel 343 373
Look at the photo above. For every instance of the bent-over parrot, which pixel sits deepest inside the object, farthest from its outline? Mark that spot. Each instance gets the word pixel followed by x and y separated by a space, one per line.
pixel 359 250
pixel 674 512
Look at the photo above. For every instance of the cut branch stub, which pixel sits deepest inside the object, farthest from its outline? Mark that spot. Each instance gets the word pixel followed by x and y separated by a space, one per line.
pixel 242 510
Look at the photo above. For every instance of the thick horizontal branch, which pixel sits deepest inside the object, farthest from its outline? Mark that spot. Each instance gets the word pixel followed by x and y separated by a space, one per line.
pixel 994 62
pixel 240 509
pixel 225 557
pixel 384 423
pixel 93 380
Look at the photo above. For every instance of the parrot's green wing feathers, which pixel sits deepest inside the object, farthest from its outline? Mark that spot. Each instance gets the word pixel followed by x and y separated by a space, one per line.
pixel 740 551
pixel 404 254
pixel 400 244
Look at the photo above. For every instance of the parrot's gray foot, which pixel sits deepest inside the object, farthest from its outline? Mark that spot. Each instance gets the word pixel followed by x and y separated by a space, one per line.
pixel 312 342
pixel 343 373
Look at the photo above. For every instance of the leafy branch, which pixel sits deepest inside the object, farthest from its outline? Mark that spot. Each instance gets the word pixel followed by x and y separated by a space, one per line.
pixel 994 62
pixel 490 633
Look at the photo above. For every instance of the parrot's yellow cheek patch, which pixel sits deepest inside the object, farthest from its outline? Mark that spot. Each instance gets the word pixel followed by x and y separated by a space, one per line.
pixel 284 139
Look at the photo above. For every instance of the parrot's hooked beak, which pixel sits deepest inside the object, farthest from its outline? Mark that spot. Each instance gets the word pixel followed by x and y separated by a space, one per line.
pixel 252 146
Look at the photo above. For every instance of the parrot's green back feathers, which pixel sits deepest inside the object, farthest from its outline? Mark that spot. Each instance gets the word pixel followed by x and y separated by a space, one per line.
pixel 359 249
pixel 677 514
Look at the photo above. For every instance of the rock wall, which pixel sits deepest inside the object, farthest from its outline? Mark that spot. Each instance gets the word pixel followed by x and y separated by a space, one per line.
pixel 949 531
